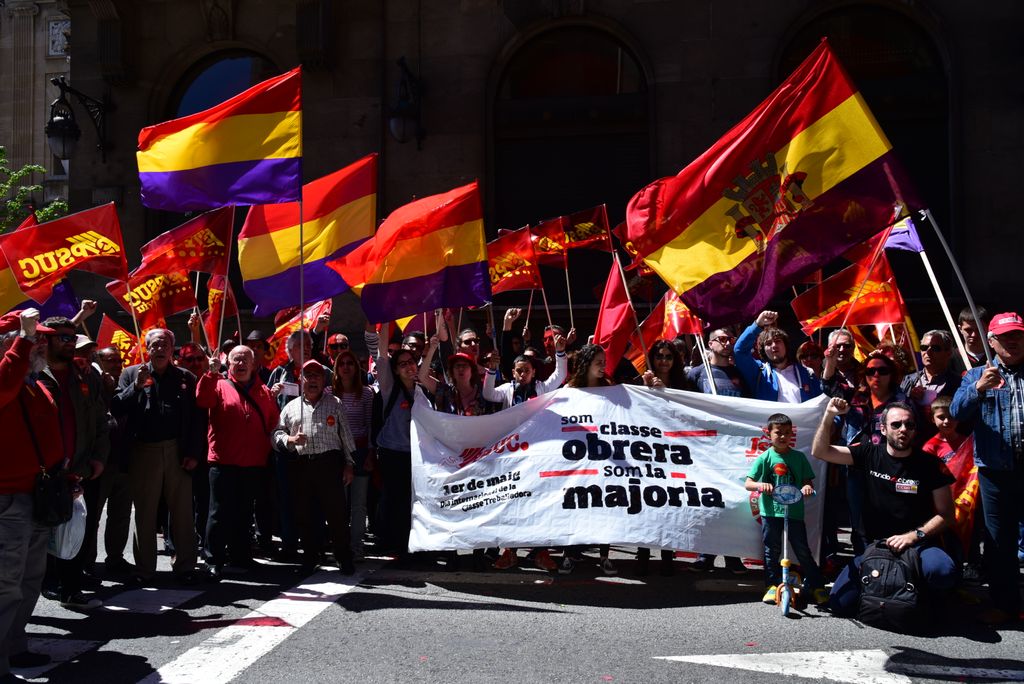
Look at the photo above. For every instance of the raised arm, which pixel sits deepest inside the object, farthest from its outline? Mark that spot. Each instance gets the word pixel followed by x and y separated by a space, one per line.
pixel 425 377
pixel 821 448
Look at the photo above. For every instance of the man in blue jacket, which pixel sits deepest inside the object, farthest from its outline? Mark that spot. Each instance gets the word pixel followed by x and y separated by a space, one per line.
pixel 776 377
pixel 993 397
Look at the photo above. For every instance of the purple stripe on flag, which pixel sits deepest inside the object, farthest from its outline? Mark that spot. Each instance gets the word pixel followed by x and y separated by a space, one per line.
pixel 280 291
pixel 847 214
pixel 261 181
pixel 62 302
pixel 454 286
pixel 904 236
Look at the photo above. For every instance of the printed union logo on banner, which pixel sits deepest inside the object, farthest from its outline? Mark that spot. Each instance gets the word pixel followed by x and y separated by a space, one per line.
pixel 615 465
pixel 83 245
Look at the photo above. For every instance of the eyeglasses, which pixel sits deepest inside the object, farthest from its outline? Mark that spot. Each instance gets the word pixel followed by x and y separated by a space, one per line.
pixel 663 357
pixel 933 348
pixel 877 370
pixel 897 424
pixel 470 342
pixel 66 338
pixel 723 339
pixel 843 345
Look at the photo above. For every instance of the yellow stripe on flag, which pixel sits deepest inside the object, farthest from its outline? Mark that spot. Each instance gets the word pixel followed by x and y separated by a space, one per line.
pixel 427 254
pixel 245 137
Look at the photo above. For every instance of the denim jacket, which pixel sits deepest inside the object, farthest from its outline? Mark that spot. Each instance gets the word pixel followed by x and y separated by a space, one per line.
pixel 993 442
pixel 761 377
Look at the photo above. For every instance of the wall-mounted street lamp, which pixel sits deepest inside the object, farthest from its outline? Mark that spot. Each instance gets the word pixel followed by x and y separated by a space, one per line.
pixel 62 131
pixel 405 116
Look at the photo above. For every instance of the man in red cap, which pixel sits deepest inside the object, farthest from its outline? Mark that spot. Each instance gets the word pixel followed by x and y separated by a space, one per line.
pixel 314 434
pixel 32 434
pixel 993 397
pixel 336 344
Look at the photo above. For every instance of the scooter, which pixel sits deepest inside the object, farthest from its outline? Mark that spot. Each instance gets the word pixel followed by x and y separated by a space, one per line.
pixel 788 590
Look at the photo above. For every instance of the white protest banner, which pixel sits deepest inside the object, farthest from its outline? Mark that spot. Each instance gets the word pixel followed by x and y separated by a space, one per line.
pixel 611 465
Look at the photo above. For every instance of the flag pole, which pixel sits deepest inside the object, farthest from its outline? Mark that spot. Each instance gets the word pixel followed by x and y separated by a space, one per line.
pixel 568 290
pixel 703 350
pixel 860 290
pixel 302 309
pixel 223 308
pixel 529 307
pixel 629 298
pixel 945 309
pixel 206 335
pixel 458 324
pixel 927 213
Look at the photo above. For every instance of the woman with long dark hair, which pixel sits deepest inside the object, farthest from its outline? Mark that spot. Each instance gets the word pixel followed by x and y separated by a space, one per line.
pixel 357 402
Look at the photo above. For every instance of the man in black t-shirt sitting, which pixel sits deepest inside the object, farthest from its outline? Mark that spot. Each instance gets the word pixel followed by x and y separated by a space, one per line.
pixel 907 499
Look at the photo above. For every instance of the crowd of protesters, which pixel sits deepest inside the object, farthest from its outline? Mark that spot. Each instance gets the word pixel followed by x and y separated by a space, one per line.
pixel 230 460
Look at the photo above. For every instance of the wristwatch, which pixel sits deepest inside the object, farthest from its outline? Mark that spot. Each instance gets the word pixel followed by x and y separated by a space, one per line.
pixel 920 534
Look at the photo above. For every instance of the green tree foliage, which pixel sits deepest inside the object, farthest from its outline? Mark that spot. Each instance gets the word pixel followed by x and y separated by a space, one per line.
pixel 16 195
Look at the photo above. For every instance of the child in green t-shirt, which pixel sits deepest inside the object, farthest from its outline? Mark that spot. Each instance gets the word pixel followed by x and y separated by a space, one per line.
pixel 781 464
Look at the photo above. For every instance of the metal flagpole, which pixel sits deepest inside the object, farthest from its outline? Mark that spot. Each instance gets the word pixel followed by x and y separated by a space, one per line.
pixel 945 310
pixel 707 363
pixel 223 308
pixel 568 290
pixel 529 307
pixel 927 213
pixel 206 335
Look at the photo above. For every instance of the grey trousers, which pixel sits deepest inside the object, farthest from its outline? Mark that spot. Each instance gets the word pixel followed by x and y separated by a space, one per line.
pixel 22 566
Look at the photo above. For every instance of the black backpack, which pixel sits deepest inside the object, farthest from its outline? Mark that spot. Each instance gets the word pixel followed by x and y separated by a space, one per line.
pixel 891 585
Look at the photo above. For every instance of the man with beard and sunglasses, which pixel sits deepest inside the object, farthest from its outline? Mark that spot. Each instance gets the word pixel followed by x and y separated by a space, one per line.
pixel 907 498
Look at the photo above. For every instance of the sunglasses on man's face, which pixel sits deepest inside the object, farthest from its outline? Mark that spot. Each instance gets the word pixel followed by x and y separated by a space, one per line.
pixel 877 370
pixel 65 338
pixel 933 348
pixel 897 424
pixel 469 342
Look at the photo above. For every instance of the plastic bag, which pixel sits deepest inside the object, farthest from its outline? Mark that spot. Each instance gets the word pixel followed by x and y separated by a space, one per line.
pixel 66 539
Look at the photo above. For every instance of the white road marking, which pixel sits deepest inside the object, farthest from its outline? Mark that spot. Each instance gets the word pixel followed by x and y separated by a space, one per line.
pixel 869 666
pixel 230 651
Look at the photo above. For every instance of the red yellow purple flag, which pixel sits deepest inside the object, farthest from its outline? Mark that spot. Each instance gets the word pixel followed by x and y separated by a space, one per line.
pixel 199 244
pixel 153 297
pixel 836 299
pixel 246 150
pixel 511 262
pixel 39 256
pixel 428 254
pixel 801 179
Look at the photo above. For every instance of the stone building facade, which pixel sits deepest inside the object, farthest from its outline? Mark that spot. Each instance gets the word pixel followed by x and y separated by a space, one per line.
pixel 557 105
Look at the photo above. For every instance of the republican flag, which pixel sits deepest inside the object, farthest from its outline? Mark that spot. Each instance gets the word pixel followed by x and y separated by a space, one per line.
pixel 39 256
pixel 153 297
pixel 305 319
pixel 199 244
pixel 339 214
pixel 835 300
pixel 246 150
pixel 427 255
pixel 512 263
pixel 111 334
pixel 800 180
pixel 616 320
pixel 902 236
pixel 220 302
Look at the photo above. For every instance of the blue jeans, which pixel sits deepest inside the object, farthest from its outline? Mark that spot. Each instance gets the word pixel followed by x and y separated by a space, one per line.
pixel 937 568
pixel 1002 496
pixel 771 533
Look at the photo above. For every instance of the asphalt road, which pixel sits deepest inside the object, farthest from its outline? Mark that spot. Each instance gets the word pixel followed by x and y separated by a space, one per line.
pixel 428 625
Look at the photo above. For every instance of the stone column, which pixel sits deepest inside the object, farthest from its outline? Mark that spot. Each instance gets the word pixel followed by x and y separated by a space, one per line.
pixel 22 90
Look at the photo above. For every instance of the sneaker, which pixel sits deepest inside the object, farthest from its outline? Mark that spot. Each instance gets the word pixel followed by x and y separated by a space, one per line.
pixel 234 569
pixel 544 561
pixel 770 595
pixel 508 559
pixel 187 578
pixel 27 659
pixel 608 568
pixel 80 601
pixel 819 596
pixel 566 566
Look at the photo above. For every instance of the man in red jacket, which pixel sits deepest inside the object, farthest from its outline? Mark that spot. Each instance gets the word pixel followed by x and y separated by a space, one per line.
pixel 28 422
pixel 243 413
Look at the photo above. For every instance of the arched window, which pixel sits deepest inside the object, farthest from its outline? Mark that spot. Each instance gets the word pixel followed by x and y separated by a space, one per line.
pixel 570 130
pixel 900 70
pixel 216 78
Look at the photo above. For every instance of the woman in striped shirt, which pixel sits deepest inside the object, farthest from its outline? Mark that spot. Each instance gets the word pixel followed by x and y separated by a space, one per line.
pixel 357 401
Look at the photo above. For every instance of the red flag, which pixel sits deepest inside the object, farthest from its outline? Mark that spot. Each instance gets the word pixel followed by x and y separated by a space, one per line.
pixel 965 490
pixel 29 221
pixel 217 287
pixel 111 334
pixel 826 305
pixel 200 244
pixel 669 319
pixel 305 319
pixel 588 229
pixel 154 297
pixel 512 263
pixel 41 255
pixel 616 320
pixel 549 242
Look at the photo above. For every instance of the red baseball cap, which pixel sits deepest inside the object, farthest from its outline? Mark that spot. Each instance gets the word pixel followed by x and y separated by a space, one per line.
pixel 313 366
pixel 1004 323
pixel 11 322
